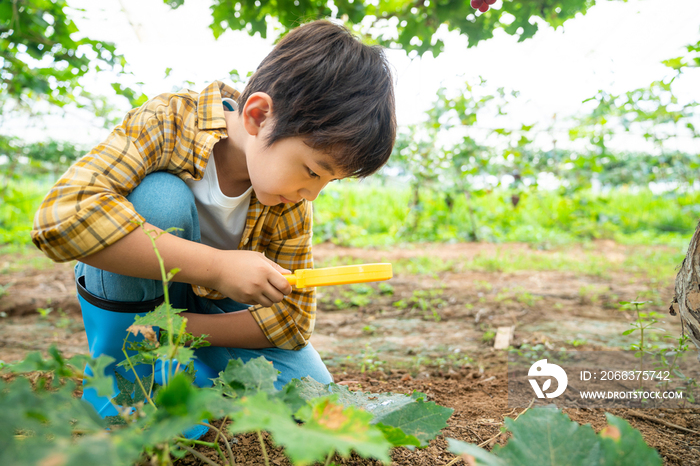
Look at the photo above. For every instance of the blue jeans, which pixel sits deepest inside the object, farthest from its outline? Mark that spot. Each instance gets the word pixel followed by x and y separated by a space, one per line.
pixel 165 201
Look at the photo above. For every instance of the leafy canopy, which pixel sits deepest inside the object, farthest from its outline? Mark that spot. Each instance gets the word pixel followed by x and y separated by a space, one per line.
pixel 41 56
pixel 416 22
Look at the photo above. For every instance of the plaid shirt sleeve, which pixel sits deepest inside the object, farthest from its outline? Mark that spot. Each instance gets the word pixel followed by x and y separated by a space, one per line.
pixel 289 324
pixel 87 209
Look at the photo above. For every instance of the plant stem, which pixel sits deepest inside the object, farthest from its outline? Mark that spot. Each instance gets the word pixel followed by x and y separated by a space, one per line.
pixel 138 379
pixel 232 461
pixel 166 455
pixel 264 450
pixel 164 277
pixel 641 346
pixel 198 455
pixel 214 445
pixel 330 456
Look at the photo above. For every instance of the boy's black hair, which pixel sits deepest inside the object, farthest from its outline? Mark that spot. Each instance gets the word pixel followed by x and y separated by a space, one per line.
pixel 333 91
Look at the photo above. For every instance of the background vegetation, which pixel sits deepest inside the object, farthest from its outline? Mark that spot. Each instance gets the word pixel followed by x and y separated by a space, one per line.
pixel 448 180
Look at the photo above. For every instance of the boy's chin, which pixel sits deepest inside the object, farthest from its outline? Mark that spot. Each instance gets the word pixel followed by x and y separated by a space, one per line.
pixel 270 200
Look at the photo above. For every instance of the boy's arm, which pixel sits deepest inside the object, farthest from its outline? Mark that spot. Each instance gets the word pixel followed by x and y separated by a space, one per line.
pixel 133 256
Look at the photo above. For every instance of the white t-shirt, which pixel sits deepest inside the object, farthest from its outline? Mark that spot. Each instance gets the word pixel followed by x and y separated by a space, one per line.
pixel 221 218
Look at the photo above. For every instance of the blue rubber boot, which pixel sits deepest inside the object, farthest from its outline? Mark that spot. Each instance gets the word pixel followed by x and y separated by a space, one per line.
pixel 106 324
pixel 202 378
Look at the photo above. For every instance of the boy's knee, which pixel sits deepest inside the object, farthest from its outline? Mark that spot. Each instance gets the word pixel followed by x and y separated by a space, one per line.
pixel 166 201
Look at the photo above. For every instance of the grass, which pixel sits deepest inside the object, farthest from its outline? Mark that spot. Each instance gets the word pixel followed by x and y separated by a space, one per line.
pixel 651 262
pixel 367 214
pixel 19 200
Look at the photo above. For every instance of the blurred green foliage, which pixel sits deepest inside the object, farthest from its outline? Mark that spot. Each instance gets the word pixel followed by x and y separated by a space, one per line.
pixel 44 57
pixel 27 171
pixel 367 214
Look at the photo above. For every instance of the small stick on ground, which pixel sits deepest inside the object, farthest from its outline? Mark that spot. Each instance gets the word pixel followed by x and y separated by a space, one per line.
pixel 646 417
pixel 486 442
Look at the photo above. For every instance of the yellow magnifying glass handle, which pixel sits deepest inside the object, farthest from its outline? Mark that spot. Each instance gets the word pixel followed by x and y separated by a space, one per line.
pixel 343 275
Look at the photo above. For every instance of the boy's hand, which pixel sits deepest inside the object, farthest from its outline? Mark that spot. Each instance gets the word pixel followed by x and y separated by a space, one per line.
pixel 251 278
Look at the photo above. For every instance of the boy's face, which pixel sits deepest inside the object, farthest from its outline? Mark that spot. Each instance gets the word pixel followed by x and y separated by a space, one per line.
pixel 288 171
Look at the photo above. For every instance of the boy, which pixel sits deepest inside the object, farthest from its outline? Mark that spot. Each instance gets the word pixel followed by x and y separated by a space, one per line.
pixel 238 183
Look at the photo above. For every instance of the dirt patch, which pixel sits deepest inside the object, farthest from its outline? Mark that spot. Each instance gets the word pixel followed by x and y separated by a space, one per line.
pixel 430 330
pixel 480 407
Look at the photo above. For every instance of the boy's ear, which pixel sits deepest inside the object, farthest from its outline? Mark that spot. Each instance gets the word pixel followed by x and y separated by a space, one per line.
pixel 257 111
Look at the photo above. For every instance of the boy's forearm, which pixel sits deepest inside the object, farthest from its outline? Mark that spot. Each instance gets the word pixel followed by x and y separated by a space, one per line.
pixel 133 256
pixel 232 330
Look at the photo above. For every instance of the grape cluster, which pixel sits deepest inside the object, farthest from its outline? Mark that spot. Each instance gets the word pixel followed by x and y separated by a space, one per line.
pixel 482 5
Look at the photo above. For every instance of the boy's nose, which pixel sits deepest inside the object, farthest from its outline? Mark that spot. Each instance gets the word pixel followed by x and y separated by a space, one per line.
pixel 311 193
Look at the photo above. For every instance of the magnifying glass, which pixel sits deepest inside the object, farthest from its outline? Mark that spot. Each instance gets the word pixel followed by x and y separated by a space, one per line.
pixel 343 275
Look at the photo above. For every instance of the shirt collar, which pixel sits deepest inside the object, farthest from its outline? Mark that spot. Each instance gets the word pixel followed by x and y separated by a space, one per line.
pixel 210 110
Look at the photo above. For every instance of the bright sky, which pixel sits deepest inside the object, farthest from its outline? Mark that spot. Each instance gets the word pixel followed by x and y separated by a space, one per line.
pixel 616 46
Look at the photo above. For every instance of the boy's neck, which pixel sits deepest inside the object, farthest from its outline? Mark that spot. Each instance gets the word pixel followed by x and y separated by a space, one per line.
pixel 231 165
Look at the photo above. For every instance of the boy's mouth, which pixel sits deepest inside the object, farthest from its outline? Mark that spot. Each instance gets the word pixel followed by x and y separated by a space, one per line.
pixel 287 201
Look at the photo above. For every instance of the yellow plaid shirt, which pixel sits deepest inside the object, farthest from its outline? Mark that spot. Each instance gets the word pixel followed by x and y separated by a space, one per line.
pixel 87 209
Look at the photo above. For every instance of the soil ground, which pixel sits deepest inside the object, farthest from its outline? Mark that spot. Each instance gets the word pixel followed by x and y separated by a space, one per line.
pixel 431 328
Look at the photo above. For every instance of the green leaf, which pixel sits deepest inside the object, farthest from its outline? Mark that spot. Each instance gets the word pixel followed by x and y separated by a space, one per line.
pixel 546 436
pixel 409 413
pixel 160 317
pixel 260 412
pixel 328 428
pixel 397 437
pixel 239 379
pixel 675 63
pixel 379 405
pixel 624 446
pixel 130 393
pixel 175 396
pixel 420 419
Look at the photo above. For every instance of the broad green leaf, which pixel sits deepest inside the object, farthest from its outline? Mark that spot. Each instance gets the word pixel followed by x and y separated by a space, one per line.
pixel 290 396
pixel 259 412
pixel 379 404
pixel 180 406
pixel 329 427
pixel 546 436
pixel 99 380
pixel 130 393
pixel 409 413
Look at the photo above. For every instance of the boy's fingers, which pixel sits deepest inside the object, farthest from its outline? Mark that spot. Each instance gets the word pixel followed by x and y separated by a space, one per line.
pixel 281 284
pixel 271 297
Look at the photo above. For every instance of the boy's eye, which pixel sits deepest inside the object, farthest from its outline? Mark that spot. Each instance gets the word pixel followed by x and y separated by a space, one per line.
pixel 312 173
